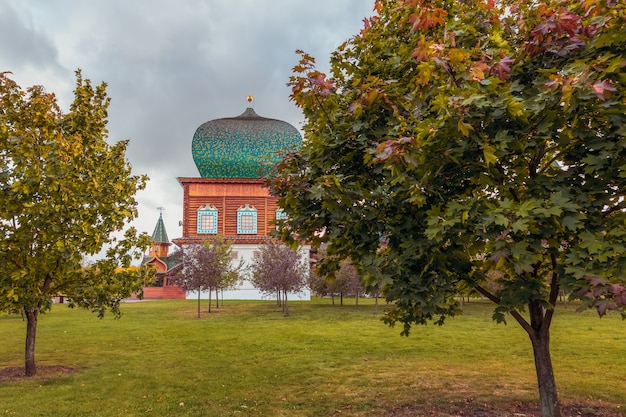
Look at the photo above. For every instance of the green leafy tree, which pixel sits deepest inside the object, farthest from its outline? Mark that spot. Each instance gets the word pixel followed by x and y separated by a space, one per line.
pixel 465 141
pixel 66 194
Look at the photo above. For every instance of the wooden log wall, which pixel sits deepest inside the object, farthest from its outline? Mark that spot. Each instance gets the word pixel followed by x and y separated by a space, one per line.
pixel 227 196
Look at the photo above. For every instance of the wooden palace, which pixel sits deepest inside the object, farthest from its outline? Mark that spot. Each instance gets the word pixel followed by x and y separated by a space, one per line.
pixel 230 199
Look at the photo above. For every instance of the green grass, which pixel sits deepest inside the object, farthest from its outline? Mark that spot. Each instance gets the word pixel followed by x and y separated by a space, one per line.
pixel 324 360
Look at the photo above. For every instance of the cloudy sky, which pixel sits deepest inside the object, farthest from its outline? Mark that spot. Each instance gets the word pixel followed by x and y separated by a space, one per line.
pixel 171 65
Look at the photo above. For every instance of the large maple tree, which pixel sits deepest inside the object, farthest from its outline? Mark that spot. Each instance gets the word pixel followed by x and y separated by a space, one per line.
pixel 462 142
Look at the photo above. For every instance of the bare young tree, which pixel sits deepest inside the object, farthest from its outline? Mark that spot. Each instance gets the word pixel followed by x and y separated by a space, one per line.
pixel 207 267
pixel 279 270
pixel 348 282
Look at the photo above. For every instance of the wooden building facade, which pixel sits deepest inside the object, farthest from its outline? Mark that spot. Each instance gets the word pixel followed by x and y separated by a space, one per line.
pixel 233 200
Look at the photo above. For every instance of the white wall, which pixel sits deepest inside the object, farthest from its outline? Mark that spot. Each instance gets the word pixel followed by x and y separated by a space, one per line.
pixel 245 290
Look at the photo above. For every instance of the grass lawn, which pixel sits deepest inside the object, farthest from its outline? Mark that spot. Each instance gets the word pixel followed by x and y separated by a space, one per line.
pixel 246 359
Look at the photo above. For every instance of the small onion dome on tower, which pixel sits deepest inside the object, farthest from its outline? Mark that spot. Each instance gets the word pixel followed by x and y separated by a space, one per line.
pixel 246 146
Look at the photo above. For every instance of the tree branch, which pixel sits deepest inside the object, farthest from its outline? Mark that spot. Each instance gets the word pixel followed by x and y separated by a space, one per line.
pixel 533 166
pixel 486 293
pixel 523 322
pixel 549 163
pixel 500 169
pixel 554 282
pixel 617 207
pixel 515 314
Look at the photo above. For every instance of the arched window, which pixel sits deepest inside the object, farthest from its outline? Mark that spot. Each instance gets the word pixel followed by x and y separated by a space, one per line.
pixel 207 220
pixel 247 220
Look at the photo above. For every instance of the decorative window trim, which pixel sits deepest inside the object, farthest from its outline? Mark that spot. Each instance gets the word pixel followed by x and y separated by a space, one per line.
pixel 247 220
pixel 207 220
pixel 280 215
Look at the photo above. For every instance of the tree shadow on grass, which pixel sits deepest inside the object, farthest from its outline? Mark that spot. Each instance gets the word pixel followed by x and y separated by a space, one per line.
pixel 44 372
pixel 473 409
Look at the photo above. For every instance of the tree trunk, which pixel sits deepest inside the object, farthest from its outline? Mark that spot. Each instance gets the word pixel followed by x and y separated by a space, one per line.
pixel 198 302
pixel 209 299
pixel 545 377
pixel 539 333
pixel 376 303
pixel 217 298
pixel 31 332
pixel 285 306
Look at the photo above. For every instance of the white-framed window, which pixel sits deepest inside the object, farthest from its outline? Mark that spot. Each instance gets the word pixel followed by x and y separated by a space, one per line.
pixel 207 220
pixel 280 215
pixel 247 220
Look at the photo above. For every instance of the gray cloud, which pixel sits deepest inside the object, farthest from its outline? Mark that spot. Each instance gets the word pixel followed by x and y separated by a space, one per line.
pixel 22 44
pixel 172 65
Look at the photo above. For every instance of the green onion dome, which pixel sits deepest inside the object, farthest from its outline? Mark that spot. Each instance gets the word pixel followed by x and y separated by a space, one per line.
pixel 245 146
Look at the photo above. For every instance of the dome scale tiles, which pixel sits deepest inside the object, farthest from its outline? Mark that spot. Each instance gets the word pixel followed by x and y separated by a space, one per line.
pixel 245 146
